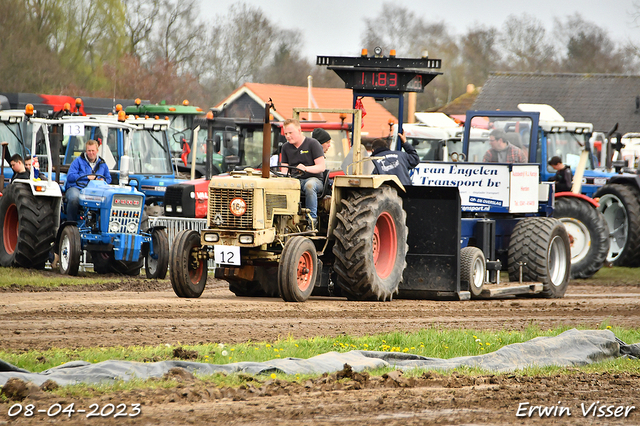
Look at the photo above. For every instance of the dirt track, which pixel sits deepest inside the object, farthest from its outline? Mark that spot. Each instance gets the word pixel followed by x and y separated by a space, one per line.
pixel 148 313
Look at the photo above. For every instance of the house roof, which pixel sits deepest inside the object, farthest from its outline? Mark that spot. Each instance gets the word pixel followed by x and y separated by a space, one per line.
pixel 601 99
pixel 285 98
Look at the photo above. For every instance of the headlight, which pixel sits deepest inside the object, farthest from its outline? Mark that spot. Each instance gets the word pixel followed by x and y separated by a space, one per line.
pixel 211 238
pixel 178 209
pixel 132 227
pixel 245 239
pixel 168 208
pixel 192 195
pixel 114 227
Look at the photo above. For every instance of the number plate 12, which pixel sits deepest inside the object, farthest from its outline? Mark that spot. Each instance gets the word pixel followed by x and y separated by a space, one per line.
pixel 227 255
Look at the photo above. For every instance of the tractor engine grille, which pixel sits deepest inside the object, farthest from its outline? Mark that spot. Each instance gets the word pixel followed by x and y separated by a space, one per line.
pixel 220 215
pixel 124 217
pixel 275 201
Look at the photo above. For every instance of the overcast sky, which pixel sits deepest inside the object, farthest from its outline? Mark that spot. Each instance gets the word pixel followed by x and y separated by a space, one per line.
pixel 335 27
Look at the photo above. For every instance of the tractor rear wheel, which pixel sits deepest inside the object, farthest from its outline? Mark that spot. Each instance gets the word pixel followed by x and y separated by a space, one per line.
pixel 371 244
pixel 156 267
pixel 28 227
pixel 540 245
pixel 70 250
pixel 297 270
pixel 188 273
pixel 588 235
pixel 620 205
pixel 473 269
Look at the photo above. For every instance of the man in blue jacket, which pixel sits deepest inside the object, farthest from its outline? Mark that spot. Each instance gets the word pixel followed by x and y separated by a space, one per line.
pixel 86 167
pixel 394 162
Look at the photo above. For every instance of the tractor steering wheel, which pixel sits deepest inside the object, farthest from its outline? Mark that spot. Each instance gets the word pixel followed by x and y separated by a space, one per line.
pixel 83 184
pixel 291 171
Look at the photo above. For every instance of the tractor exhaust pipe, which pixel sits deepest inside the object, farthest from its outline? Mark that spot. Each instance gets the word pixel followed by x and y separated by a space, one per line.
pixel 266 139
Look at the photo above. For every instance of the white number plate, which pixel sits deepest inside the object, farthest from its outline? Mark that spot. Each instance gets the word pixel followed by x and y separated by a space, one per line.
pixel 227 255
pixel 73 129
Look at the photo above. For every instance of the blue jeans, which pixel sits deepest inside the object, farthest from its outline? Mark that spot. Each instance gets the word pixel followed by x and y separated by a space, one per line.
pixel 73 201
pixel 311 187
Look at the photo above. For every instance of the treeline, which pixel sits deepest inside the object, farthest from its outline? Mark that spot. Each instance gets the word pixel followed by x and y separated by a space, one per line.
pixel 164 50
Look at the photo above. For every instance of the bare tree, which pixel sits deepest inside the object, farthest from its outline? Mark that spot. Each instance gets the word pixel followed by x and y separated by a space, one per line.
pixel 526 45
pixel 588 48
pixel 479 54
pixel 239 45
pixel 177 40
pixel 139 22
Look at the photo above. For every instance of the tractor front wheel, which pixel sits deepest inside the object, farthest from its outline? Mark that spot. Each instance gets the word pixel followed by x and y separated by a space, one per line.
pixel 156 266
pixel 188 272
pixel 297 270
pixel 70 250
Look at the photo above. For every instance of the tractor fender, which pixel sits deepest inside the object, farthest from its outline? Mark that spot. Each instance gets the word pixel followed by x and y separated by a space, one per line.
pixel 589 200
pixel 626 179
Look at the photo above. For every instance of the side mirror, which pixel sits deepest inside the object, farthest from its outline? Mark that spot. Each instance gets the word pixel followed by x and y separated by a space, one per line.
pixel 216 143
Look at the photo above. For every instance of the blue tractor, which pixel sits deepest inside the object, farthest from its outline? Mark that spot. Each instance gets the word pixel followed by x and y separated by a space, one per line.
pixel 32 211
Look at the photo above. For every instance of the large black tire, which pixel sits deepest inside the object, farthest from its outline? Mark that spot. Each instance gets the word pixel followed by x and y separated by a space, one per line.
pixel 473 269
pixel 265 283
pixel 101 261
pixel 188 274
pixel 297 270
pixel 588 235
pixel 28 227
pixel 69 250
pixel 620 205
pixel 122 267
pixel 541 244
pixel 156 268
pixel 371 244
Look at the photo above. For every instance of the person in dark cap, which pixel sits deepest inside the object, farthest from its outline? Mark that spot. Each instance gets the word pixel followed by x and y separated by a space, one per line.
pixel 323 137
pixel 563 174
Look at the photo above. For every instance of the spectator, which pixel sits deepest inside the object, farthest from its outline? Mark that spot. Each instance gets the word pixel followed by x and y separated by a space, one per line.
pixel 17 165
pixel 502 151
pixel 394 162
pixel 563 174
pixel 323 137
pixel 27 165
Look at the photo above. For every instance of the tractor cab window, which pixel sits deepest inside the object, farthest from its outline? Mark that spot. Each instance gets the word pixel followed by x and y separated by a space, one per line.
pixel 149 152
pixel 177 124
pixel 517 135
pixel 568 146
pixel 14 134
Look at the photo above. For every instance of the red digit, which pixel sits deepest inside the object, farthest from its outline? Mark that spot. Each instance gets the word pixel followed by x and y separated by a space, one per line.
pixel 393 79
pixel 382 79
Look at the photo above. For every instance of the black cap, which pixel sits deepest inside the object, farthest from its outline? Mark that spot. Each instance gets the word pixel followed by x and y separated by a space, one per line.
pixel 321 135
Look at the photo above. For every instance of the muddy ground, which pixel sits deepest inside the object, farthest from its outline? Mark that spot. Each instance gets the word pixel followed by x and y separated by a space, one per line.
pixel 140 312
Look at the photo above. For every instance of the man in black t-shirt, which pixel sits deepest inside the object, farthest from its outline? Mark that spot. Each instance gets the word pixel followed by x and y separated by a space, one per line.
pixel 307 155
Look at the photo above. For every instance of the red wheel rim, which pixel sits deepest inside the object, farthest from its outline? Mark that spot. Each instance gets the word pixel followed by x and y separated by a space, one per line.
pixel 385 245
pixel 196 268
pixel 10 229
pixel 305 271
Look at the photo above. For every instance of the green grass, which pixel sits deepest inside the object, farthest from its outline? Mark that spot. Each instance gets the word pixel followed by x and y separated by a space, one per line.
pixel 47 278
pixel 613 275
pixel 429 343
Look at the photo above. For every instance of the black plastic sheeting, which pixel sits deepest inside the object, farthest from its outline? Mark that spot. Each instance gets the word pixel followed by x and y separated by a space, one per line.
pixel 571 348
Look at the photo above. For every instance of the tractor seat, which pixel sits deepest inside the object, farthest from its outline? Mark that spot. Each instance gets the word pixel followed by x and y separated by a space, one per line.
pixel 326 185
